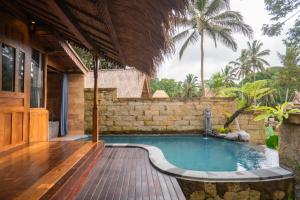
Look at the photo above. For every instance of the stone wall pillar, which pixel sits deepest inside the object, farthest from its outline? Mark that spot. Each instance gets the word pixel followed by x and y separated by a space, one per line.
pixel 289 151
pixel 75 104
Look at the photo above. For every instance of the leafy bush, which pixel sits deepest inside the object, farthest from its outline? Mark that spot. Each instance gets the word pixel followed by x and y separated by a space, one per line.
pixel 223 130
pixel 272 140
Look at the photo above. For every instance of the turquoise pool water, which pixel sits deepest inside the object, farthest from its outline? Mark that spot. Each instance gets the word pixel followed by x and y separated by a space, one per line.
pixel 194 152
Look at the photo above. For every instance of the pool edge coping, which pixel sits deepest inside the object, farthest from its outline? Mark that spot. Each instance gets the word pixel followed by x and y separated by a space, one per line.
pixel 159 161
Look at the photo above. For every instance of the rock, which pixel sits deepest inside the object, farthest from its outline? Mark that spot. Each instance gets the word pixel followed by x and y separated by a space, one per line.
pixel 210 189
pixel 243 195
pixel 254 195
pixel 239 136
pixel 198 195
pixel 218 198
pixel 278 195
pixel 233 187
pixel 230 196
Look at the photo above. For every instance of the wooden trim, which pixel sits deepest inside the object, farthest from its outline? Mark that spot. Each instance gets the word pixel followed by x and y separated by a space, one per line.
pixel 12 109
pixel 11 147
pixel 44 63
pixel 16 85
pixel 4 94
pixel 74 57
pixel 0 66
pixel 95 102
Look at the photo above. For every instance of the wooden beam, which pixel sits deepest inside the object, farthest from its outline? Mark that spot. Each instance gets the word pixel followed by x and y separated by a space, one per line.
pixel 60 9
pixel 104 12
pixel 96 62
pixel 74 57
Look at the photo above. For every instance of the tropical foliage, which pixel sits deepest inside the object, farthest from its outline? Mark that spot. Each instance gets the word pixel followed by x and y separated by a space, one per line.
pixel 251 60
pixel 221 80
pixel 187 89
pixel 246 96
pixel 291 58
pixel 255 56
pixel 283 11
pixel 212 18
pixel 279 112
pixel 87 59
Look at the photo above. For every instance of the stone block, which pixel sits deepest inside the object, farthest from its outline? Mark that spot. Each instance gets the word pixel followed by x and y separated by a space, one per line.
pixel 136 112
pixel 230 196
pixel 142 107
pixel 158 128
pixel 123 123
pixel 144 118
pixel 166 112
pixel 121 112
pixel 181 123
pixel 210 189
pixel 151 112
pixel 157 107
pixel 198 195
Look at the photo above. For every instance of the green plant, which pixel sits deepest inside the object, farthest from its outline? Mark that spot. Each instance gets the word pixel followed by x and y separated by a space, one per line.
pixel 223 130
pixel 280 112
pixel 272 140
pixel 212 18
pixel 246 96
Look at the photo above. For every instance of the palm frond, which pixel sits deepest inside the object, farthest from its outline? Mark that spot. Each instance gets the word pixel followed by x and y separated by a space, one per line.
pixel 216 6
pixel 190 40
pixel 228 15
pixel 181 35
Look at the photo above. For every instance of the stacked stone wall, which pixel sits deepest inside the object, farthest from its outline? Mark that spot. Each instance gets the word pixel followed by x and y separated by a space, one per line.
pixel 162 115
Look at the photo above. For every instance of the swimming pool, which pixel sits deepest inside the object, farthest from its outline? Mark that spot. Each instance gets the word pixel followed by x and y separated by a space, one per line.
pixel 194 152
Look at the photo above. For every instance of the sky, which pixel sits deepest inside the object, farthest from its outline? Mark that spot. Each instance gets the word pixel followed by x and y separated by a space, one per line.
pixel 255 15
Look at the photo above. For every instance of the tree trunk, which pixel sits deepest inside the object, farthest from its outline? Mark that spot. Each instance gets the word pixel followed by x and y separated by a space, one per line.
pixel 234 116
pixel 202 64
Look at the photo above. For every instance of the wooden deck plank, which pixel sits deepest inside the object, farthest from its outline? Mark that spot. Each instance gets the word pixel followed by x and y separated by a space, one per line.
pixel 128 168
pixel 87 189
pixel 126 173
pixel 28 172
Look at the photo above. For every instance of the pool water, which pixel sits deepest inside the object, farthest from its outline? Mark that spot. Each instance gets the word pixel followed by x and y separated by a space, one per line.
pixel 198 153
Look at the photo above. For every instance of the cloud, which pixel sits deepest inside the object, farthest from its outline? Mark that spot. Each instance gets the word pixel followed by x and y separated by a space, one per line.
pixel 215 58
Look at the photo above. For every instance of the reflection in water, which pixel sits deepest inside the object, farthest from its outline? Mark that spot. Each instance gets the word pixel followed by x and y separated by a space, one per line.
pixel 196 153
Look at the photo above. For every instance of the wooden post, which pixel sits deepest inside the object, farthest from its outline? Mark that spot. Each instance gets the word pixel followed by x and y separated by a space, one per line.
pixel 95 107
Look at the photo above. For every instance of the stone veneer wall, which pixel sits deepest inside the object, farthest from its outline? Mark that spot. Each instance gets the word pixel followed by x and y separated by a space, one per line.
pixel 75 104
pixel 162 115
pixel 289 150
pixel 262 190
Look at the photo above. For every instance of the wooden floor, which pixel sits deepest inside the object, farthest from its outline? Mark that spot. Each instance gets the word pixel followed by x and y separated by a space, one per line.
pixel 83 170
pixel 121 174
pixel 29 172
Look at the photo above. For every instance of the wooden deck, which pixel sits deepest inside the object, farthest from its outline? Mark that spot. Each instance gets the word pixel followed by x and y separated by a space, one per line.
pixel 83 170
pixel 120 174
pixel 30 171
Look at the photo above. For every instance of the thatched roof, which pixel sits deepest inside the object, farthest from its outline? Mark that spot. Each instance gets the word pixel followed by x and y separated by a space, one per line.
pixel 160 94
pixel 129 83
pixel 127 32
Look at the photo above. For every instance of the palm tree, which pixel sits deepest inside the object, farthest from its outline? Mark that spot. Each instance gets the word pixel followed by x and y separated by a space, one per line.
pixel 229 75
pixel 255 54
pixel 242 66
pixel 291 58
pixel 214 19
pixel 189 86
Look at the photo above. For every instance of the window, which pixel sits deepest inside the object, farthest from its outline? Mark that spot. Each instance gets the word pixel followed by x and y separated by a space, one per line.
pixel 21 67
pixel 8 68
pixel 37 80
